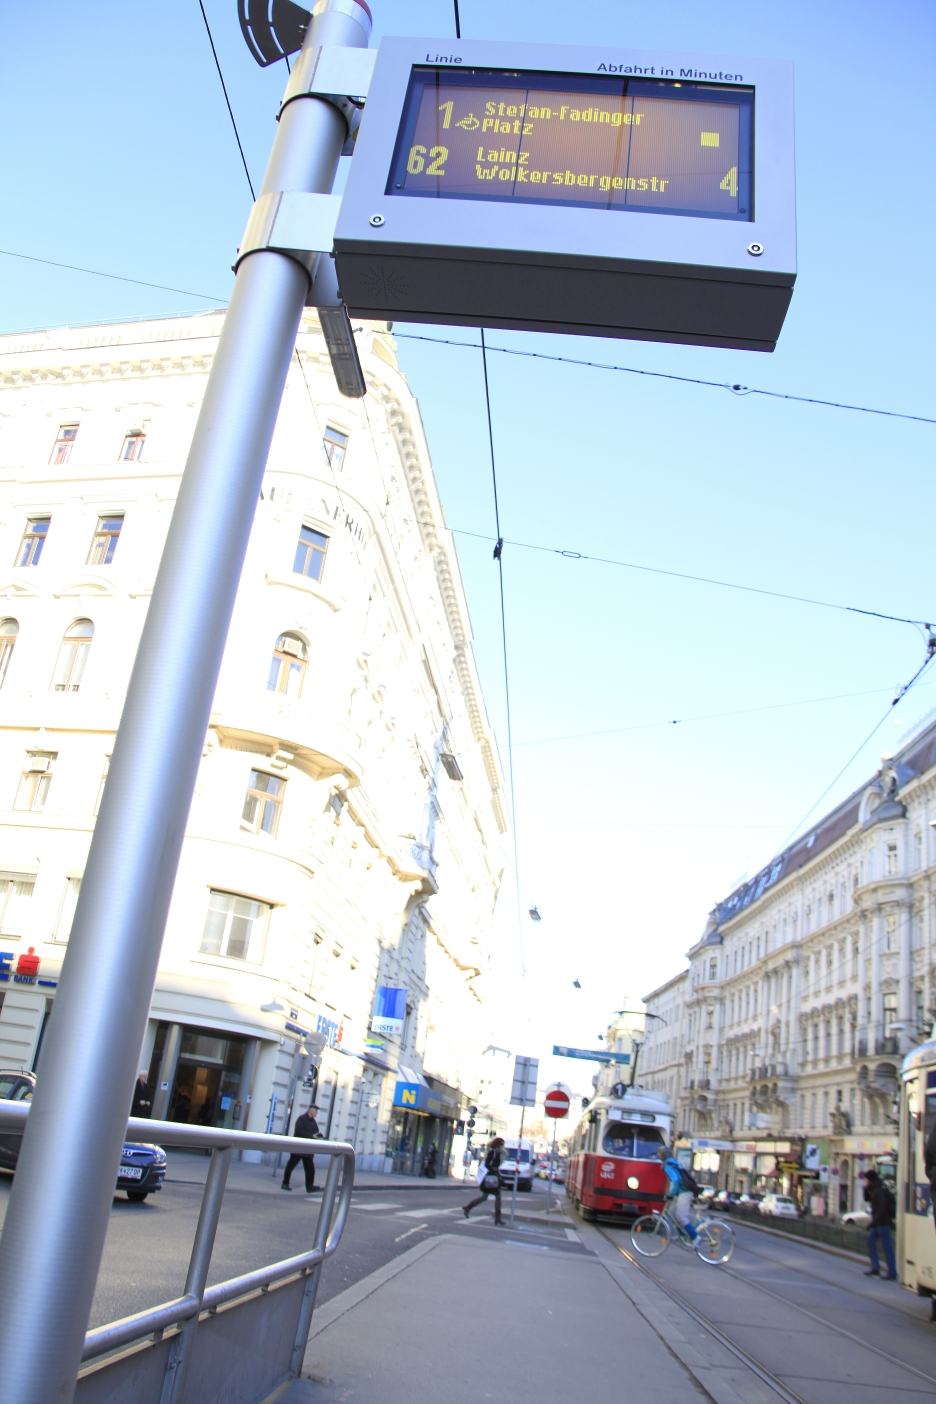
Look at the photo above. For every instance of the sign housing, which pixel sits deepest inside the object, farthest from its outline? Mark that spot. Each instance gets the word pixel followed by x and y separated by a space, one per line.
pixel 612 193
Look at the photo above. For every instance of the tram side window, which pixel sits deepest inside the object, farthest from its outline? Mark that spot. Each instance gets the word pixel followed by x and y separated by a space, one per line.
pixel 929 1114
pixel 636 1142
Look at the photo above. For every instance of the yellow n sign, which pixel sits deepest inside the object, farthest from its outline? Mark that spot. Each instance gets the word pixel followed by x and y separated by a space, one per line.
pixel 407 1098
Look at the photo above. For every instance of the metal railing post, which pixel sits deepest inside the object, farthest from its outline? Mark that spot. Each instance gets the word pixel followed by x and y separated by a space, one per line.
pixel 53 1238
pixel 312 1281
pixel 181 1349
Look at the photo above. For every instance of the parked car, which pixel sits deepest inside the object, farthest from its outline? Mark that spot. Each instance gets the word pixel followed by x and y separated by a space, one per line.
pixel 707 1194
pixel 142 1167
pixel 726 1197
pixel 860 1218
pixel 779 1206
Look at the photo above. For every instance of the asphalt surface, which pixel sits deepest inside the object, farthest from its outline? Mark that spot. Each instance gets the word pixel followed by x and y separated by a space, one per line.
pixel 147 1247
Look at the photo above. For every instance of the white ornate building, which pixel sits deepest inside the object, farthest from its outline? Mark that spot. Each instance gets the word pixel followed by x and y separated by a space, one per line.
pixel 809 984
pixel 343 837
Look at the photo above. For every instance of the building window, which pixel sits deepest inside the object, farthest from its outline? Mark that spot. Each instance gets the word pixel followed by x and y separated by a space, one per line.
pixel 61 449
pixel 336 444
pixel 35 780
pixel 15 895
pixel 709 1017
pixel 73 656
pixel 919 1011
pixel 235 927
pixel 8 632
pixel 890 933
pixel 891 860
pixel 67 910
pixel 104 541
pixel 713 969
pixel 310 553
pixel 287 669
pixel 917 851
pixel 132 449
pixel 890 1011
pixel 263 803
pixel 34 537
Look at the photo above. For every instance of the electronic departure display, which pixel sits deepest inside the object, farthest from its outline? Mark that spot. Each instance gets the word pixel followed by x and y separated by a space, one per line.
pixel 610 143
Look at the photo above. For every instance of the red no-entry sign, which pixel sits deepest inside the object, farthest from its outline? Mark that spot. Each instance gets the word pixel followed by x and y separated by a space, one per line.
pixel 557 1103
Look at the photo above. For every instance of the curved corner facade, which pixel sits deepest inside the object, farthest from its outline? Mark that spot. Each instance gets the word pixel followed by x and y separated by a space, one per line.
pixel 330 923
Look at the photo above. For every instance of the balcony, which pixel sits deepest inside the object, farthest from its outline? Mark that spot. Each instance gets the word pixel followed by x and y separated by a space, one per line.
pixel 704 1084
pixel 889 1045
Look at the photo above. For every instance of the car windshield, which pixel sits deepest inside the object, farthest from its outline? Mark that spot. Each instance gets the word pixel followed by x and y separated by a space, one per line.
pixel 524 1156
pixel 636 1142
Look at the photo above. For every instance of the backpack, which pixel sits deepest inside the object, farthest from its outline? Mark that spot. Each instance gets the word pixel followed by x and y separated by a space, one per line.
pixel 688 1182
pixel 889 1202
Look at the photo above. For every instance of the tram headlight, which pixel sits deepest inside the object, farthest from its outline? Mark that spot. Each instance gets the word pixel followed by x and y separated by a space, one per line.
pixel 633 1182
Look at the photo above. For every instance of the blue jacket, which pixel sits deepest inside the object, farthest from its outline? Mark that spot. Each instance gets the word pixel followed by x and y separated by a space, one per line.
pixel 674 1184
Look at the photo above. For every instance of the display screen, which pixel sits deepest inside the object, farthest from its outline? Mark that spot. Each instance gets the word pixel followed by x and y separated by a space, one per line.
pixel 562 139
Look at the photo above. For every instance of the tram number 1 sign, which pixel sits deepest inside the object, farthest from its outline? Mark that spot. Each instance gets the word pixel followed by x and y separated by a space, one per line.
pixel 557 1103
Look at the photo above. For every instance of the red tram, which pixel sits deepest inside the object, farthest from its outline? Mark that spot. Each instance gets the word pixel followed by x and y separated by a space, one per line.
pixel 614 1167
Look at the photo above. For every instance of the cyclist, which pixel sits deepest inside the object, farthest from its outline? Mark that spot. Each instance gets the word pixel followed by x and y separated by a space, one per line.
pixel 681 1189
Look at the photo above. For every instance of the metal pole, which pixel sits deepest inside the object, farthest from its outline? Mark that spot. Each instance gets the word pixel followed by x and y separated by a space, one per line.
pixel 53 1237
pixel 312 1283
pixel 513 1194
pixel 549 1173
pixel 180 1352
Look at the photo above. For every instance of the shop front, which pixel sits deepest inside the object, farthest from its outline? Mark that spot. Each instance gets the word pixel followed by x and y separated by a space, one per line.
pixel 202 1076
pixel 424 1115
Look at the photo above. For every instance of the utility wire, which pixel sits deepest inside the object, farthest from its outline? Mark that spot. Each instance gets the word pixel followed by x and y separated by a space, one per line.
pixel 498 549
pixel 901 692
pixel 227 100
pixel 664 375
pixel 115 277
pixel 696 579
pixel 704 716
pixel 457 22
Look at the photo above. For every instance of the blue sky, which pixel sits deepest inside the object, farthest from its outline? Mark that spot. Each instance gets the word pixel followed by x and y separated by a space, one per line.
pixel 118 154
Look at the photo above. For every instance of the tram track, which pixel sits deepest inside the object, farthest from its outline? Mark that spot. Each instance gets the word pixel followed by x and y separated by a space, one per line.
pixel 765 1375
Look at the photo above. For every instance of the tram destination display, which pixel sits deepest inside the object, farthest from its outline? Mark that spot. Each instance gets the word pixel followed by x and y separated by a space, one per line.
pixel 553 188
pixel 606 143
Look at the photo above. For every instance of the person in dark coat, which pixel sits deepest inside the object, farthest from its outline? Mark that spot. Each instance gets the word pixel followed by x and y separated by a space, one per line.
pixel 306 1129
pixel 490 1184
pixel 929 1162
pixel 142 1101
pixel 881 1203
pixel 432 1160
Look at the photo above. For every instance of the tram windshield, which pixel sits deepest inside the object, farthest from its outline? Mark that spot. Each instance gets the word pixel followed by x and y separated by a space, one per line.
pixel 636 1142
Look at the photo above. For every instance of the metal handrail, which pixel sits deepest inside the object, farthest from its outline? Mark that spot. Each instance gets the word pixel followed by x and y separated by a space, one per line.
pixel 189 1307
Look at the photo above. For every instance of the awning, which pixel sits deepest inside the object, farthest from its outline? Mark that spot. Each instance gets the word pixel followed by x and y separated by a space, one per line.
pixel 417 1096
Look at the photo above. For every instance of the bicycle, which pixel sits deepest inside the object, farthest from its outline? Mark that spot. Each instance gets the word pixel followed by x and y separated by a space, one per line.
pixel 651 1235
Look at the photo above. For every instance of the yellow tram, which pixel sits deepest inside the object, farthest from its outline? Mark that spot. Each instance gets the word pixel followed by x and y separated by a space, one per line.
pixel 916 1234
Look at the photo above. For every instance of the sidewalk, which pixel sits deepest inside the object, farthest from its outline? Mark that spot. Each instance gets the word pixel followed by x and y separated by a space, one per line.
pixel 190 1167
pixel 470 1320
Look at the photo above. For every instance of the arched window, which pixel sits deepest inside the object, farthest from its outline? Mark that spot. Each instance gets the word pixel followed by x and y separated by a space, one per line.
pixel 8 632
pixel 288 665
pixel 73 655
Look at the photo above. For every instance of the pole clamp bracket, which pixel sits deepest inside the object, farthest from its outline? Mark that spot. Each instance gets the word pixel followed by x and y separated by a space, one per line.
pixel 292 222
pixel 337 75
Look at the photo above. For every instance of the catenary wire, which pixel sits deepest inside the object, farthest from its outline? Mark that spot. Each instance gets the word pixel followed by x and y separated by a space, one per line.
pixel 227 100
pixel 115 277
pixel 901 693
pixel 703 716
pixel 665 375
pixel 696 579
pixel 498 550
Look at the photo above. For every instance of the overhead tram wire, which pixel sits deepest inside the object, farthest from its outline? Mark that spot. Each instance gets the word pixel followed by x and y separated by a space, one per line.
pixel 665 375
pixel 227 100
pixel 498 553
pixel 696 579
pixel 501 350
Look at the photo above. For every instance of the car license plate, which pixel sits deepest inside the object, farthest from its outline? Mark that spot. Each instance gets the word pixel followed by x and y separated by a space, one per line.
pixel 130 1172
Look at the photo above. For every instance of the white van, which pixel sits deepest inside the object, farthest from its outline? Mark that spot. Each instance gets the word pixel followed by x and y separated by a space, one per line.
pixel 517 1154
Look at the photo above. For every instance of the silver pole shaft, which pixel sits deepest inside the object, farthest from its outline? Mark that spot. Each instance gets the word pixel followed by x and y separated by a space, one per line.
pixel 513 1193
pixel 197 1277
pixel 54 1232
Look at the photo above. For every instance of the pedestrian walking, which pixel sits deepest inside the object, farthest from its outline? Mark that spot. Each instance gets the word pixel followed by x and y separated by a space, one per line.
pixel 429 1169
pixel 306 1129
pixel 489 1179
pixel 883 1208
pixel 142 1101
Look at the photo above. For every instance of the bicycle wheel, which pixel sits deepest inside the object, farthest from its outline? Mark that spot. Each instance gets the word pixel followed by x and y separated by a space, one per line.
pixel 715 1243
pixel 650 1235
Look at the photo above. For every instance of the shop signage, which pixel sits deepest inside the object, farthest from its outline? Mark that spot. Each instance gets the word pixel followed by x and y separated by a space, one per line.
pixel 27 968
pixel 553 188
pixel 810 1156
pixel 417 1096
pixel 390 1010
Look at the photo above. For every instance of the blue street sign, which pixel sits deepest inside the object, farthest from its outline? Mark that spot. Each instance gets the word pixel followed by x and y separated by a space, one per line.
pixel 561 1051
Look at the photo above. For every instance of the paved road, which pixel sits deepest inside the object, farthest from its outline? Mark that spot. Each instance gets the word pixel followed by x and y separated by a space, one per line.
pixel 147 1248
